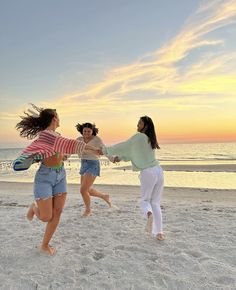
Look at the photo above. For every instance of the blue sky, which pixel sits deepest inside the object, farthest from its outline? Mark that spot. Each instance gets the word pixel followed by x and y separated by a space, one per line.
pixel 50 47
pixel 60 53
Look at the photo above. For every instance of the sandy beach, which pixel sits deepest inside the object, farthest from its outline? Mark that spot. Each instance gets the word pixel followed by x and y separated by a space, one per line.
pixel 110 249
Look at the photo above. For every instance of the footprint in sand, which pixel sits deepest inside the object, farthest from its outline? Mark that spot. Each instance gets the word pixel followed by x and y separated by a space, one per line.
pixel 114 207
pixel 194 254
pixel 10 204
pixel 120 247
pixel 206 208
pixel 97 256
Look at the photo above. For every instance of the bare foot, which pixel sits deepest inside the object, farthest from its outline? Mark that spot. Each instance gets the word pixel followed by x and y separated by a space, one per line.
pixel 148 227
pixel 87 213
pixel 30 213
pixel 106 198
pixel 48 250
pixel 160 237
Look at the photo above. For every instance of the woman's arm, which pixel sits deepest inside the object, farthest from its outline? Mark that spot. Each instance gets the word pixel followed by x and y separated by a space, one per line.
pixel 93 148
pixel 125 150
pixel 121 150
pixel 100 144
pixel 68 146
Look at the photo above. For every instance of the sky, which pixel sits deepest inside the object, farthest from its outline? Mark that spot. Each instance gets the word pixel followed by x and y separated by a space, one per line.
pixel 109 62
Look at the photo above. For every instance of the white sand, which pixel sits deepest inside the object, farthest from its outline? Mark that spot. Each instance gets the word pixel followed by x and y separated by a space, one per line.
pixel 111 250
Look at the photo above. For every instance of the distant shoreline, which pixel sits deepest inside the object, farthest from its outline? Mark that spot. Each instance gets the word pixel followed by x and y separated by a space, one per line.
pixel 163 143
pixel 172 167
pixel 192 168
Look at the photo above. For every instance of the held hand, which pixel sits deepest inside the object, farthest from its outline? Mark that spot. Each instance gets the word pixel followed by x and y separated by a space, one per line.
pixel 96 150
pixel 100 151
pixel 65 157
pixel 116 159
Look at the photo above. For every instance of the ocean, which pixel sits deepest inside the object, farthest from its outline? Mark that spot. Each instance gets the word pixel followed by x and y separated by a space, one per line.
pixel 202 165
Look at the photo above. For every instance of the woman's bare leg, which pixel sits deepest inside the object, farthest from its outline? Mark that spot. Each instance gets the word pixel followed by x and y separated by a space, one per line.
pixel 42 208
pixel 30 213
pixel 86 182
pixel 57 208
pixel 149 223
pixel 96 193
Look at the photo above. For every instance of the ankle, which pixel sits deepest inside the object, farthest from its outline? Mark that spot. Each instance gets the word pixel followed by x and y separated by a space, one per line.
pixel 149 213
pixel 44 245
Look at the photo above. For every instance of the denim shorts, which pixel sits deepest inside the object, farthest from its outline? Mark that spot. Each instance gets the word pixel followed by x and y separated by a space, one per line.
pixel 48 182
pixel 90 167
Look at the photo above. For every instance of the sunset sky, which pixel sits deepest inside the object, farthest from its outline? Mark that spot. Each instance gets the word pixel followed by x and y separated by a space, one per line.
pixel 110 62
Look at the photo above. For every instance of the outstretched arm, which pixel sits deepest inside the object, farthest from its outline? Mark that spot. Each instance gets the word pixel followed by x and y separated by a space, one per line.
pixel 95 149
pixel 122 151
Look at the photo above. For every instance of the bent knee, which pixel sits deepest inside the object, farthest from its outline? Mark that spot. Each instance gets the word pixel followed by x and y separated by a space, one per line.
pixel 57 211
pixel 83 190
pixel 46 218
pixel 155 202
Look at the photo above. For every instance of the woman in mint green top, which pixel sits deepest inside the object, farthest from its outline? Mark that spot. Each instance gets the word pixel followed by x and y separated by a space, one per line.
pixel 140 150
pixel 137 150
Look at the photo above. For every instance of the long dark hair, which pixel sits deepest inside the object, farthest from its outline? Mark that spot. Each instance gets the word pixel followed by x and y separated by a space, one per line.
pixel 35 121
pixel 150 132
pixel 80 128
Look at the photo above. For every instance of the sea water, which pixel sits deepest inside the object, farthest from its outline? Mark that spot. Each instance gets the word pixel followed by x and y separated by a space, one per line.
pixel 194 159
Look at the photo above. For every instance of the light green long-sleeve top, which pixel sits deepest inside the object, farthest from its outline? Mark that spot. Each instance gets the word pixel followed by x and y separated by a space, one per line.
pixel 136 149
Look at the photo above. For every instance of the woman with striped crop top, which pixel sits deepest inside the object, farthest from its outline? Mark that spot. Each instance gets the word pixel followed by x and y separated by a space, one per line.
pixel 50 179
pixel 90 166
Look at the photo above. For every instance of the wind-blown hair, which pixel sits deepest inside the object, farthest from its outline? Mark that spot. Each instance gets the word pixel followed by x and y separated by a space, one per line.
pixel 80 128
pixel 150 132
pixel 35 121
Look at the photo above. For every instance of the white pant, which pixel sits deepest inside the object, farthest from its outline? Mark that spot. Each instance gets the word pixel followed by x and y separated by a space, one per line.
pixel 152 183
